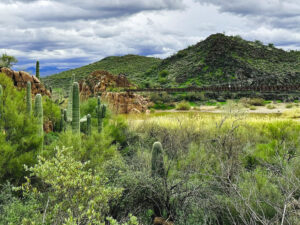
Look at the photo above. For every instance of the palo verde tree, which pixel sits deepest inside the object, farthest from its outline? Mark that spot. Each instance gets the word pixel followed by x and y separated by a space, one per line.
pixel 19 142
pixel 7 60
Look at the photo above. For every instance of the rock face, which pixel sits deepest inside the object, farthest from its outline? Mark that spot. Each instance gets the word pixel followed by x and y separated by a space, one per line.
pixel 124 102
pixel 100 81
pixel 20 80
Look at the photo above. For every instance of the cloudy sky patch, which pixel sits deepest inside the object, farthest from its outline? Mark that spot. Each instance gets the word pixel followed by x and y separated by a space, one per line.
pixel 65 34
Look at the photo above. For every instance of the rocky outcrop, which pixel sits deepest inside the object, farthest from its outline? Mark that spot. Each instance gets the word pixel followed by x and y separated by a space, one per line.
pixel 21 78
pixel 124 102
pixel 100 81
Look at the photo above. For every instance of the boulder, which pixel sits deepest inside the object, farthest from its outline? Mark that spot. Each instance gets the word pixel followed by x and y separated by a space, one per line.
pixel 21 78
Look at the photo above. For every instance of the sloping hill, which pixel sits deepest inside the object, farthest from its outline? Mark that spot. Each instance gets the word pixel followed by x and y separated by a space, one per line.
pixel 133 66
pixel 222 59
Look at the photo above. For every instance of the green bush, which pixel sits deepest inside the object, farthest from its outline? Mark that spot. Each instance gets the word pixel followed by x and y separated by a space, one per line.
pixel 288 106
pixel 163 73
pixel 183 106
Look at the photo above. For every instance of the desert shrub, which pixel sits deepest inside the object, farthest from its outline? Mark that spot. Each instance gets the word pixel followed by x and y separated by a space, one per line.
pixel 288 106
pixel 75 193
pixel 252 107
pixel 253 101
pixel 271 106
pixel 88 107
pixel 163 73
pixel 51 112
pixel 183 106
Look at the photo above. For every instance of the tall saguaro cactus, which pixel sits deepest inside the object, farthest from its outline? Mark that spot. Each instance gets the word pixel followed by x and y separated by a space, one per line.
pixel 1 104
pixel 37 69
pixel 38 113
pixel 157 161
pixel 62 120
pixel 70 100
pixel 89 125
pixel 101 112
pixel 65 115
pixel 28 98
pixel 75 109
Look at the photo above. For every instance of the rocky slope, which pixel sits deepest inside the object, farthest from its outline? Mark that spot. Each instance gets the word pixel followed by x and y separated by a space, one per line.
pixel 21 78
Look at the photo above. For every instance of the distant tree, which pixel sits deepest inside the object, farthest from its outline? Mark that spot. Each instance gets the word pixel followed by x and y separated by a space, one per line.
pixel 7 60
pixel 271 45
pixel 258 42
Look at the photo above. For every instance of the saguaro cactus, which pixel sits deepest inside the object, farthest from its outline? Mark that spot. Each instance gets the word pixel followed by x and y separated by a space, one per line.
pixel 70 100
pixel 89 125
pixel 65 115
pixel 28 98
pixel 101 112
pixel 62 120
pixel 38 113
pixel 157 161
pixel 75 109
pixel 1 102
pixel 37 69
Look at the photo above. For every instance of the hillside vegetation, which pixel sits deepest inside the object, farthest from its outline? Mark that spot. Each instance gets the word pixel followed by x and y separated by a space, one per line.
pixel 218 59
pixel 132 65
pixel 222 59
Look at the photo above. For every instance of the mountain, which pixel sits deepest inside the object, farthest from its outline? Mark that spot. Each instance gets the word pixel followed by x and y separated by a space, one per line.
pixel 227 59
pixel 219 59
pixel 133 66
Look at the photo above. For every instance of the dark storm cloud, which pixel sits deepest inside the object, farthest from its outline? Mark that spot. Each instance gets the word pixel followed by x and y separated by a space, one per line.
pixel 277 13
pixel 68 10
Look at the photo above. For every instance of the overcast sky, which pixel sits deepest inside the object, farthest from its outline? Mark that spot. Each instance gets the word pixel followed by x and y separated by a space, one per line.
pixel 65 34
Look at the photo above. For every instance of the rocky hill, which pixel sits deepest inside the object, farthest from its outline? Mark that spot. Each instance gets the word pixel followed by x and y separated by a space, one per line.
pixel 223 59
pixel 133 66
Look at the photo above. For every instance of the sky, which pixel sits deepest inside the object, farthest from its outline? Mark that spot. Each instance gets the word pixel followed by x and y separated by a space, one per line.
pixel 66 34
